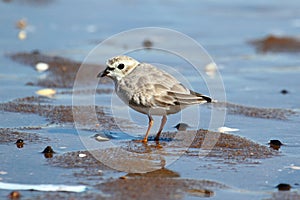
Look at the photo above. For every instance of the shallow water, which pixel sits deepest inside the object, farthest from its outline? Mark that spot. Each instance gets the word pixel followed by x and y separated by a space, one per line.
pixel 223 28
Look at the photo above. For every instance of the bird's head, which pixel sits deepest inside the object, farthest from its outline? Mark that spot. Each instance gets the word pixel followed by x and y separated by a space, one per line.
pixel 118 67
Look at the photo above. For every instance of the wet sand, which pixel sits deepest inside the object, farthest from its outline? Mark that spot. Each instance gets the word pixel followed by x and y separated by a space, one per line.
pixel 151 185
pixel 159 188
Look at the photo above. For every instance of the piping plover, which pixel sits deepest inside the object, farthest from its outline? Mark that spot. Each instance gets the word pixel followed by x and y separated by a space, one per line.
pixel 149 90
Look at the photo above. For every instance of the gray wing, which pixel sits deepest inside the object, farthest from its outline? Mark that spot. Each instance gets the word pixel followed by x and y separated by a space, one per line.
pixel 157 88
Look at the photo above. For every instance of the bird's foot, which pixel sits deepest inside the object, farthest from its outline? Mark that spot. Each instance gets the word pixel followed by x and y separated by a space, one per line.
pixel 141 141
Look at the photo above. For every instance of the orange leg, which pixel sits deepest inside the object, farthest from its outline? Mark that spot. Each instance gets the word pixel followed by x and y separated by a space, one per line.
pixel 151 121
pixel 163 122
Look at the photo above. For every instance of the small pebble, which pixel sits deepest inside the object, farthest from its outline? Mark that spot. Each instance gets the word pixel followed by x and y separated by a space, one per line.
pixel 40 67
pixel 181 126
pixel 48 152
pixel 295 167
pixel 101 139
pixel 284 91
pixel 22 35
pixel 81 155
pixel 123 177
pixel 14 195
pixel 46 92
pixel 20 143
pixel 225 129
pixel 275 144
pixel 283 187
pixel 21 24
pixel 147 44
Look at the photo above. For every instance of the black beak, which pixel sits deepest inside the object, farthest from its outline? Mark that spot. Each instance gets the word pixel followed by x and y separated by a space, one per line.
pixel 102 74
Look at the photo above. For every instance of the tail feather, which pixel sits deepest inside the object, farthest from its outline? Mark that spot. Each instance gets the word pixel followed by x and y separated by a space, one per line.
pixel 206 98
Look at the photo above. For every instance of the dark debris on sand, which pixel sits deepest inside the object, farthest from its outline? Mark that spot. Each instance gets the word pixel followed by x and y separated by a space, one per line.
pixel 273 43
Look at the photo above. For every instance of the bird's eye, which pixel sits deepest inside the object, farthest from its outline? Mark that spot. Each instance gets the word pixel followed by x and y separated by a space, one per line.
pixel 121 66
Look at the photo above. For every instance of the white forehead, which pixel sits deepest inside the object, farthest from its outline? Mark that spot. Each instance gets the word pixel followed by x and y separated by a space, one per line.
pixel 120 59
